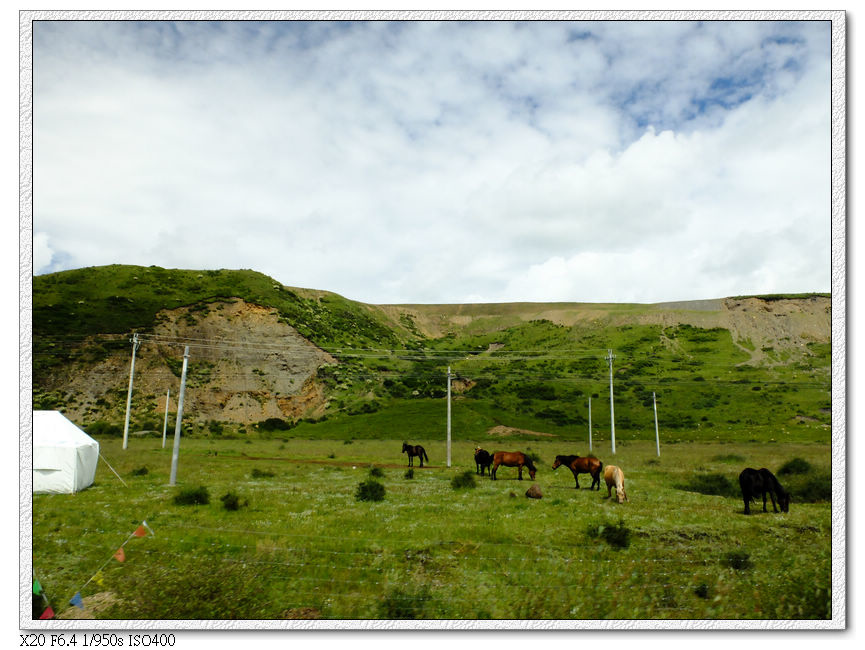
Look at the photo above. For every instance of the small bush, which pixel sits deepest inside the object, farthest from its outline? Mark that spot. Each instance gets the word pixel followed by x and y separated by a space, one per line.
pixel 230 501
pixel 409 473
pixel 795 466
pixel 617 535
pixel 536 459
pixel 262 473
pixel 464 480
pixel 729 458
pixel 376 472
pixel 140 471
pixel 811 488
pixel 401 604
pixel 714 484
pixel 370 490
pixel 738 560
pixel 192 497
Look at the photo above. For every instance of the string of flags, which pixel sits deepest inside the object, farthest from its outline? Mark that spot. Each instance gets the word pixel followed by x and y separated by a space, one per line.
pixel 120 555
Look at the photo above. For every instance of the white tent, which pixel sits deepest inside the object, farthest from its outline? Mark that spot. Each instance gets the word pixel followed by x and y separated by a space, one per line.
pixel 64 457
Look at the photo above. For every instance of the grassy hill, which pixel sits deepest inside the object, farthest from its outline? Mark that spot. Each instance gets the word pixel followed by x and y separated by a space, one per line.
pixel 743 368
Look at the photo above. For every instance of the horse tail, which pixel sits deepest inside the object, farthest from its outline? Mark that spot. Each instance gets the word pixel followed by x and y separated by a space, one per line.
pixel 425 457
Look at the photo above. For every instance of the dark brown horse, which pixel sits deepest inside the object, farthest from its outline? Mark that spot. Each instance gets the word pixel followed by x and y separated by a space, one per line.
pixel 412 451
pixel 582 465
pixel 760 482
pixel 482 459
pixel 513 459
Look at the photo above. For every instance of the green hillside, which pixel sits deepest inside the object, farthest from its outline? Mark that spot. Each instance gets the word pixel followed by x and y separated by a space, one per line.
pixel 741 369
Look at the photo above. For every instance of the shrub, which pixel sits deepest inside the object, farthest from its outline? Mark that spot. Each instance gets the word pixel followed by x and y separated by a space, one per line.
pixel 729 458
pixel 262 473
pixel 738 560
pixel 617 535
pixel 400 604
pixel 275 424
pixel 140 471
pixel 192 497
pixel 230 501
pixel 795 466
pixel 103 428
pixel 464 480
pixel 810 488
pixel 370 490
pixel 714 484
pixel 376 472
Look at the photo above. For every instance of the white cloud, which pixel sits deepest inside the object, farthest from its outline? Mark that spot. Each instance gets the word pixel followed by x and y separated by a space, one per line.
pixel 440 162
pixel 43 256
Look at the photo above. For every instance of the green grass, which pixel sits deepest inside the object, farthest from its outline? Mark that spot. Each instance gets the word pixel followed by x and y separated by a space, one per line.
pixel 302 545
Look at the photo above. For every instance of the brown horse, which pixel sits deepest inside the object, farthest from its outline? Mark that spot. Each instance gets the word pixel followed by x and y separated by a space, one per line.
pixel 513 459
pixel 582 465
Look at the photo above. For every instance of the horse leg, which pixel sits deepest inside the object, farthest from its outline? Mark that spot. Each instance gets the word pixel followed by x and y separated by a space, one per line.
pixel 421 459
pixel 764 502
pixel 520 472
pixel 772 496
pixel 746 497
pixel 576 479
pixel 494 470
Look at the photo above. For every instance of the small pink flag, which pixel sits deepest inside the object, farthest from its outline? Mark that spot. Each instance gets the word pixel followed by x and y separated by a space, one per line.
pixel 120 556
pixel 141 531
pixel 48 613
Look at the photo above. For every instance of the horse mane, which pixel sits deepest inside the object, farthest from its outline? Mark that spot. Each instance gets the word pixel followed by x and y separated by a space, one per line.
pixel 529 463
pixel 566 460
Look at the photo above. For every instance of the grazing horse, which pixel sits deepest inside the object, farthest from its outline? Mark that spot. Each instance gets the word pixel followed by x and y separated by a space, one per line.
pixel 512 459
pixel 482 459
pixel 412 451
pixel 755 482
pixel 615 477
pixel 582 465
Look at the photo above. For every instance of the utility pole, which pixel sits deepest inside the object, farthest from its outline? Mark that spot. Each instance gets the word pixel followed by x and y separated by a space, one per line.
pixel 135 344
pixel 590 423
pixel 177 425
pixel 610 356
pixel 165 423
pixel 449 416
pixel 657 437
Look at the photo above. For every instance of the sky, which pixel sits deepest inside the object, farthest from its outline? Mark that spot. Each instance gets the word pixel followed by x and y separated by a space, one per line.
pixel 441 162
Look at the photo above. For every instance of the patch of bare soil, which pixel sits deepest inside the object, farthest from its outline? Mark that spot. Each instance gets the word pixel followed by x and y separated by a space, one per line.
pixel 93 606
pixel 502 431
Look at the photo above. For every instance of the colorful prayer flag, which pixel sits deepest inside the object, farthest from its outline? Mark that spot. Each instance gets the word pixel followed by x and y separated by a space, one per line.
pixel 120 556
pixel 76 600
pixel 98 579
pixel 37 588
pixel 48 613
pixel 140 531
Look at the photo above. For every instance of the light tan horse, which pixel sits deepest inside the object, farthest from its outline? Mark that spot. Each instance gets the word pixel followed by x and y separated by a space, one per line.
pixel 615 477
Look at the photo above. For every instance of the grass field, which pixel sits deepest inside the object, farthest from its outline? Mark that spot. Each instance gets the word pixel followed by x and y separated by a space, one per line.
pixel 301 545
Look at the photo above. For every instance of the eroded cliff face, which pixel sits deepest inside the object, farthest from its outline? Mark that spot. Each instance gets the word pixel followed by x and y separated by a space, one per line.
pixel 245 365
